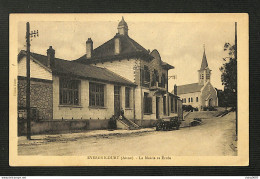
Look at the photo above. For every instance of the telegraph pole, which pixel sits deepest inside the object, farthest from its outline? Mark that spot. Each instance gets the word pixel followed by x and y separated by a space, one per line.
pixel 28 76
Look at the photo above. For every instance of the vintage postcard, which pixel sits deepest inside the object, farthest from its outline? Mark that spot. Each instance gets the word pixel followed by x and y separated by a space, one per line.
pixel 129 89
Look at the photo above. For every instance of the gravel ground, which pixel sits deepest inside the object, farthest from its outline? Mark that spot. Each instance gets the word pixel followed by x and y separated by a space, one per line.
pixel 214 137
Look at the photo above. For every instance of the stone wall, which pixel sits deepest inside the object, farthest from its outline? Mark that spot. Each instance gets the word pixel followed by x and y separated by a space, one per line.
pixel 41 97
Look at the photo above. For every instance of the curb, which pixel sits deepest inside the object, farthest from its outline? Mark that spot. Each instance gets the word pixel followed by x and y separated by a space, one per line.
pixel 61 138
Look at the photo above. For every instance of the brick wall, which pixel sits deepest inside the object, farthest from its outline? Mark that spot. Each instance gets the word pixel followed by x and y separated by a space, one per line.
pixel 41 97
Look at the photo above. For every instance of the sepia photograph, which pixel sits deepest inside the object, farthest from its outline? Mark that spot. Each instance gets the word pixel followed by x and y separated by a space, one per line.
pixel 129 90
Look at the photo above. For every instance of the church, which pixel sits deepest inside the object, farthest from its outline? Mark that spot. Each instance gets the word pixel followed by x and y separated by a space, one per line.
pixel 201 94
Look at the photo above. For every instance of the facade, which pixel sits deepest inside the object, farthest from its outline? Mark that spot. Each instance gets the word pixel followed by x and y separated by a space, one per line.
pixel 118 75
pixel 125 57
pixel 201 94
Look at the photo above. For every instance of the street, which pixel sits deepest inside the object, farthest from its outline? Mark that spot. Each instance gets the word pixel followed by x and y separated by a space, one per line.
pixel 214 137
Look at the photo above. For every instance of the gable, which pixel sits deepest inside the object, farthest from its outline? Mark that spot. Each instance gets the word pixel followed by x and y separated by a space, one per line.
pixel 208 89
pixel 106 52
pixel 36 70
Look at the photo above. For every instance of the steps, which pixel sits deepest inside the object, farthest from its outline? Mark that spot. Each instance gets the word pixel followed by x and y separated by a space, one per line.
pixel 127 124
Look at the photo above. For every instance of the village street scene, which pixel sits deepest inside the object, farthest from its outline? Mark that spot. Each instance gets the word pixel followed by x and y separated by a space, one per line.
pixel 127 88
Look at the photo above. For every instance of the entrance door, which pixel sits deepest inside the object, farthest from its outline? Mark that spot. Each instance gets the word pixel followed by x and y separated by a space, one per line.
pixel 157 107
pixel 210 102
pixel 164 105
pixel 117 100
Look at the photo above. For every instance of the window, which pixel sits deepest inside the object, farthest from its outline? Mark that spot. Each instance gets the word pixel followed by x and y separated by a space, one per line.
pixel 176 104
pixel 202 76
pixel 163 80
pixel 172 105
pixel 164 105
pixel 127 97
pixel 147 104
pixel 155 77
pixel 197 99
pixel 184 100
pixel 69 92
pixel 96 94
pixel 191 99
pixel 207 76
pixel 145 75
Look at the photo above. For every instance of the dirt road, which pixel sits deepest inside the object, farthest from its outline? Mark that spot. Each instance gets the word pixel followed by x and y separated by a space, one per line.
pixel 213 138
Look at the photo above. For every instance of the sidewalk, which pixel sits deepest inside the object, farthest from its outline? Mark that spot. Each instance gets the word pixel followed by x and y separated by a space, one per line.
pixel 47 138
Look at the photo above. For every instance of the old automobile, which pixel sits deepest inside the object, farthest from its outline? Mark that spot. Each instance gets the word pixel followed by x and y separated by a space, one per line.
pixel 168 124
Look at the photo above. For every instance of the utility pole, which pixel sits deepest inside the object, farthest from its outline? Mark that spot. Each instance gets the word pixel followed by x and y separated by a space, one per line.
pixel 28 77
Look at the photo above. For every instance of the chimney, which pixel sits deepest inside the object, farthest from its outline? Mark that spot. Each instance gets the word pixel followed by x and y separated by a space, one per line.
pixel 89 48
pixel 50 56
pixel 175 89
pixel 117 44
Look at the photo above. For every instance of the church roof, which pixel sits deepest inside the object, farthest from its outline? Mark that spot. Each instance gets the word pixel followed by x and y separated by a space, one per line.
pixel 189 88
pixel 204 63
pixel 129 48
pixel 74 69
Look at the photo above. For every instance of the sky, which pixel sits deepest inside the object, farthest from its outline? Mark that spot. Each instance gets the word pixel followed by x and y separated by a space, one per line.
pixel 179 43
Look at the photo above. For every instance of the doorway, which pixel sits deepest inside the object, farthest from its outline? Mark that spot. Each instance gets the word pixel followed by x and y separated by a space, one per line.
pixel 210 102
pixel 157 107
pixel 117 105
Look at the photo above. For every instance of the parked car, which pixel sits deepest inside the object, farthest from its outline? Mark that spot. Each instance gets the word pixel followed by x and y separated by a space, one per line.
pixel 168 124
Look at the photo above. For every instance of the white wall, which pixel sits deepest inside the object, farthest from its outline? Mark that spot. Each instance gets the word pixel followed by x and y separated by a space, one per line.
pixel 36 70
pixel 124 68
pixel 83 110
pixel 192 95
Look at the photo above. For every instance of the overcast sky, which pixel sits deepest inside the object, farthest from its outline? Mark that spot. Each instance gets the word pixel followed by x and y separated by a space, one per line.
pixel 179 43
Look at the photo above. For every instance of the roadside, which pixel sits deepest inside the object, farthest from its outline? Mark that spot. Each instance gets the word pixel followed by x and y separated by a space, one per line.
pixel 47 138
pixel 213 138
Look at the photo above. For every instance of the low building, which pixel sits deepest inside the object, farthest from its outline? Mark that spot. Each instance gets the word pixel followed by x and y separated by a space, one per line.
pixel 201 94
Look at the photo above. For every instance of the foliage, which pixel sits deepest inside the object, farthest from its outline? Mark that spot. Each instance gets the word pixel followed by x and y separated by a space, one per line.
pixel 187 108
pixel 229 76
pixel 209 108
pixel 229 69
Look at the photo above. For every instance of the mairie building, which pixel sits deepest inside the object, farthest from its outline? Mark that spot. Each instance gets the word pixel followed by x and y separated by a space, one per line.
pixel 86 92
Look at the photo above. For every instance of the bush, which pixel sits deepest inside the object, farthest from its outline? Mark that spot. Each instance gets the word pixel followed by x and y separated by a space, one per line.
pixel 187 108
pixel 197 119
pixel 195 123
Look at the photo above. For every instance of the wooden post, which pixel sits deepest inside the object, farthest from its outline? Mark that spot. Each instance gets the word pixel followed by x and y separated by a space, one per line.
pixel 28 81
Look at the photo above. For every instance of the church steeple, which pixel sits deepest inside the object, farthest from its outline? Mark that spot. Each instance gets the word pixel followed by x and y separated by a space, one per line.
pixel 204 72
pixel 122 27
pixel 204 63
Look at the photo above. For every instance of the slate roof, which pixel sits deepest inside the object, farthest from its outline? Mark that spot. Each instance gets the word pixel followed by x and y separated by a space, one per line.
pixel 129 48
pixel 189 88
pixel 204 63
pixel 71 68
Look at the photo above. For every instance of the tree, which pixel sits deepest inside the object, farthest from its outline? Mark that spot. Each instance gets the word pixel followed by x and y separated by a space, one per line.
pixel 229 74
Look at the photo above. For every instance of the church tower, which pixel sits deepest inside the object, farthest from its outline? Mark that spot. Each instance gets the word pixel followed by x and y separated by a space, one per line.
pixel 204 72
pixel 122 27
